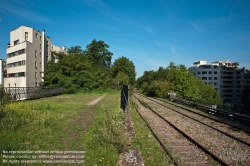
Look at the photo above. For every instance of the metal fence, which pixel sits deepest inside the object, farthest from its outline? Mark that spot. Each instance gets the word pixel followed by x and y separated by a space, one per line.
pixel 22 93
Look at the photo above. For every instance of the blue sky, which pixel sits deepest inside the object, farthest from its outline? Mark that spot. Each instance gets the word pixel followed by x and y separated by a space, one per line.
pixel 151 33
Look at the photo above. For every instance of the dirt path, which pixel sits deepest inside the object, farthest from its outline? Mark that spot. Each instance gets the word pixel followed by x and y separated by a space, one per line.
pixel 93 102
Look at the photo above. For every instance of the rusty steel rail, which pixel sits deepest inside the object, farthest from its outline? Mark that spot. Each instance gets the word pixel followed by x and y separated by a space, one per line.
pixel 214 156
pixel 231 136
pixel 157 138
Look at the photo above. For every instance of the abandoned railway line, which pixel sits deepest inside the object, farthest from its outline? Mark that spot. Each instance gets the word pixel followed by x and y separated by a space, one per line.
pixel 240 134
pixel 191 139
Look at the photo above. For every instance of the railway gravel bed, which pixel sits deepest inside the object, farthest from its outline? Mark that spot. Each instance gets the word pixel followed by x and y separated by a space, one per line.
pixel 181 149
pixel 231 151
pixel 226 128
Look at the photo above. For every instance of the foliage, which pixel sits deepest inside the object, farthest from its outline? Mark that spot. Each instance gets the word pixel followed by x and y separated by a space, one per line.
pixel 98 54
pixel 123 71
pixel 177 79
pixel 88 69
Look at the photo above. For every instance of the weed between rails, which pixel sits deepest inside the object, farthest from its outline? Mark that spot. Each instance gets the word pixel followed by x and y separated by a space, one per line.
pixel 152 152
pixel 105 140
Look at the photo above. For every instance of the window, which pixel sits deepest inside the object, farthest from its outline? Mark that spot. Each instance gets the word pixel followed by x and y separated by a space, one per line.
pixel 26 35
pixel 40 64
pixel 20 52
pixel 36 35
pixel 40 46
pixel 215 67
pixel 209 72
pixel 40 38
pixel 210 78
pixel 215 72
pixel 21 63
pixel 199 72
pixel 215 78
pixel 35 53
pixel 12 75
pixel 11 65
pixel 215 83
pixel 204 72
pixel 35 75
pixel 36 84
pixel 22 74
pixel 35 64
pixel 16 42
pixel 40 54
pixel 204 78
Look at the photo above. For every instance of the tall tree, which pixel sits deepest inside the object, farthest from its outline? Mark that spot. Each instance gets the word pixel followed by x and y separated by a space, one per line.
pixel 98 53
pixel 123 70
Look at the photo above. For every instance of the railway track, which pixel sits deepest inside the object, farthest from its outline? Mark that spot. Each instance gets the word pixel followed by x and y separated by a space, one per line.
pixel 224 147
pixel 237 133
pixel 182 149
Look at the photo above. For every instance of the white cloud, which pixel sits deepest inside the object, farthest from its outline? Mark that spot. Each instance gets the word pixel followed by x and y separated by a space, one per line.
pixel 25 13
pixel 205 25
pixel 161 44
pixel 114 15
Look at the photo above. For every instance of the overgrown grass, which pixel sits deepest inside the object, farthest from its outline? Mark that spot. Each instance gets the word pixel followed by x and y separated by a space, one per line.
pixel 105 141
pixel 61 122
pixel 152 152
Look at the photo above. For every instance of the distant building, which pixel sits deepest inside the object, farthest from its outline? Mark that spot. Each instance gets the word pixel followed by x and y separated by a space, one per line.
pixel 226 77
pixel 57 49
pixel 27 53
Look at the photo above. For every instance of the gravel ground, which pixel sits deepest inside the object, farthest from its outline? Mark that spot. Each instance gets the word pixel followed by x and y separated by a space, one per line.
pixel 228 149
pixel 182 150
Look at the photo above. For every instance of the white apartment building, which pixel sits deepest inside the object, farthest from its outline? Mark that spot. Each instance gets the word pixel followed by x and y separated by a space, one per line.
pixel 226 77
pixel 27 53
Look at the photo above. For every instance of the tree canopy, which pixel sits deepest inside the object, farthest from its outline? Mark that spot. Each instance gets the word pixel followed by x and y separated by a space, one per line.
pixel 123 71
pixel 88 69
pixel 177 79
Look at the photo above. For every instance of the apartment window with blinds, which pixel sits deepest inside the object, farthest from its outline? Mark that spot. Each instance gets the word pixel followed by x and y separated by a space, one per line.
pixel 16 42
pixel 26 35
pixel 21 63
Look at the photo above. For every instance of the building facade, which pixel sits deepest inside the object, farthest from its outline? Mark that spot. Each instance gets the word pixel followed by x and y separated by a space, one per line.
pixel 27 53
pixel 226 77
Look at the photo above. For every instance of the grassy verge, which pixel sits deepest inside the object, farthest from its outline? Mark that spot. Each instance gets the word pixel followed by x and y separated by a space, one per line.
pixel 151 151
pixel 105 141
pixel 64 123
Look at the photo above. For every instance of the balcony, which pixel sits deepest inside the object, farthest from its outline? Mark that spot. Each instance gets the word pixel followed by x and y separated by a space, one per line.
pixel 17 47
